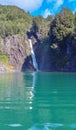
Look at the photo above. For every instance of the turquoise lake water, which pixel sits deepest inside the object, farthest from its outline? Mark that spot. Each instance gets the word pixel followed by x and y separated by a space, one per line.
pixel 38 101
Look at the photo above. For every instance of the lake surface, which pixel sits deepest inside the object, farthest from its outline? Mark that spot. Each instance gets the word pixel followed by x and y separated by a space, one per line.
pixel 38 101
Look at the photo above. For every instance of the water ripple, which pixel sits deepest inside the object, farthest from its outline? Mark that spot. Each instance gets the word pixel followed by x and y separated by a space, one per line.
pixel 45 126
pixel 72 125
pixel 15 125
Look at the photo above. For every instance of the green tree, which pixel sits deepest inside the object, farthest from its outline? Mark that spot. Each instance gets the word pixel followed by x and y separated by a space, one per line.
pixel 60 30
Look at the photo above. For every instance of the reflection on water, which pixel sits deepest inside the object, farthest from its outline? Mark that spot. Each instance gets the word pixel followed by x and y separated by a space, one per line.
pixel 38 101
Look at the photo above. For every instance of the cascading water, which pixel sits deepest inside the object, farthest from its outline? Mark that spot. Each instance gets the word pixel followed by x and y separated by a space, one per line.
pixel 33 55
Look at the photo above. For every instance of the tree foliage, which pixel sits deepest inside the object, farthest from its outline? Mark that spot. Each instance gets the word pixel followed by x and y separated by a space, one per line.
pixel 13 21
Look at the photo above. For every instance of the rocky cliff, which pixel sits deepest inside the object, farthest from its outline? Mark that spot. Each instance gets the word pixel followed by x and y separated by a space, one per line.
pixel 53 39
pixel 16 48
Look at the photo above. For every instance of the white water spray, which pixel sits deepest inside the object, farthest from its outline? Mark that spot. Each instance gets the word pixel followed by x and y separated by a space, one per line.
pixel 33 55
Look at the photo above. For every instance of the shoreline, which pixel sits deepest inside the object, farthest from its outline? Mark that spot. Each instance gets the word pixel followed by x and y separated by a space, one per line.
pixel 10 69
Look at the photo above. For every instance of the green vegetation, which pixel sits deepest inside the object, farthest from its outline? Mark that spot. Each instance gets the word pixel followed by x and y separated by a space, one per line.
pixel 61 34
pixel 13 21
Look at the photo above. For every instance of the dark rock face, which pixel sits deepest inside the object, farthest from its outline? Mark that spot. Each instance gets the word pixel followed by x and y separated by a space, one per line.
pixel 42 57
pixel 28 65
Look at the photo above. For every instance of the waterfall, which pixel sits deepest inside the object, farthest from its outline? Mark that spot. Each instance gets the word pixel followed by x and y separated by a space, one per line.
pixel 33 55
